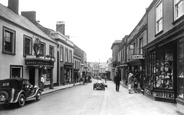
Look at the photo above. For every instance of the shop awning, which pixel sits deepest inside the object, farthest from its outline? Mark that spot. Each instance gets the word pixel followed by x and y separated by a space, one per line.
pixel 136 62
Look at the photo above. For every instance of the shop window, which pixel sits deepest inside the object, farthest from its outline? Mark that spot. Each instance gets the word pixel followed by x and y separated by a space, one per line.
pixel 181 69
pixel 27 45
pixel 164 69
pixel 48 75
pixel 159 17
pixel 8 41
pixel 16 71
pixel 179 8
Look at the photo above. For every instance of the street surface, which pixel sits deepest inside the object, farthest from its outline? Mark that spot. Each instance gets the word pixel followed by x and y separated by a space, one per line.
pixel 83 100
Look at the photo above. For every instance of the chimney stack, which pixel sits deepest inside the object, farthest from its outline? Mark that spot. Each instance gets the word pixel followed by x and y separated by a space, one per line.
pixel 60 26
pixel 14 5
pixel 30 15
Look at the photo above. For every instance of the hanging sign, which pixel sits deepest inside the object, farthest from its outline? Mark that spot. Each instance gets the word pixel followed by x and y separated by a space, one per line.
pixel 137 57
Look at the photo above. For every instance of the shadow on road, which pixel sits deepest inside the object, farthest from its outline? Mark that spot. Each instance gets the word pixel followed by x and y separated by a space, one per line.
pixel 15 105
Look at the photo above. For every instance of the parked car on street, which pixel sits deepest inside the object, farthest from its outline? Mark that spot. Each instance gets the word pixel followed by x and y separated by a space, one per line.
pixel 18 90
pixel 99 85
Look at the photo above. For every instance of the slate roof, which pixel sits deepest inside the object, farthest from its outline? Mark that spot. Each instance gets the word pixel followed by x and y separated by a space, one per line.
pixel 21 21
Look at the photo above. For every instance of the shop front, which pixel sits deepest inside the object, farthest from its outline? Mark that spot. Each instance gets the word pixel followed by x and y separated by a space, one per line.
pixel 136 65
pixel 161 71
pixel 68 73
pixel 180 75
pixel 38 66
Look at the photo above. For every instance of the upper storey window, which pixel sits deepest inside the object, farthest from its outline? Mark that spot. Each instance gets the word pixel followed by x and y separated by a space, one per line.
pixel 179 8
pixel 8 41
pixel 159 17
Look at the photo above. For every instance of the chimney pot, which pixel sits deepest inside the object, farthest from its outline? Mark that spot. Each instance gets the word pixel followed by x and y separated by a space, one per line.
pixel 60 26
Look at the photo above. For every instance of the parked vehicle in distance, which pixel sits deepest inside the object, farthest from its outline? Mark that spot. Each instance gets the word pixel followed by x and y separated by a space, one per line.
pixel 99 85
pixel 18 90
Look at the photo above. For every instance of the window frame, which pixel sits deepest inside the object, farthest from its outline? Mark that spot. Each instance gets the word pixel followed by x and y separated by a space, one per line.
pixel 13 41
pixel 70 56
pixel 44 48
pixel 61 53
pixel 31 45
pixel 16 66
pixel 51 53
pixel 176 16
pixel 157 28
pixel 66 54
pixel 140 46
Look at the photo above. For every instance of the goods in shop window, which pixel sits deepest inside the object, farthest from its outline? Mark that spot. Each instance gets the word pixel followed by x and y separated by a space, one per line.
pixel 181 75
pixel 169 55
pixel 167 76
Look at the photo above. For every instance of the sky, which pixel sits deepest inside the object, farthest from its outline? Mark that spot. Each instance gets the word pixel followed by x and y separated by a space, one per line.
pixel 93 25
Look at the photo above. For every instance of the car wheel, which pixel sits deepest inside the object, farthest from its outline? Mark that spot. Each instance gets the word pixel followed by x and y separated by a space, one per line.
pixel 5 94
pixel 21 101
pixel 38 95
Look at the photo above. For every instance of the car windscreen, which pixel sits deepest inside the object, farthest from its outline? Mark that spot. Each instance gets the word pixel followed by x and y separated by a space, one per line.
pixel 9 84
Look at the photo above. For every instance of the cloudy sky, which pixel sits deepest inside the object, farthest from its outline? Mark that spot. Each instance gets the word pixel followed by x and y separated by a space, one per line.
pixel 93 25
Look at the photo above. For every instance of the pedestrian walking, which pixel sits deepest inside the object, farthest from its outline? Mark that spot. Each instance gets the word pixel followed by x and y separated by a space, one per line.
pixel 130 75
pixel 117 80
pixel 42 83
pixel 135 84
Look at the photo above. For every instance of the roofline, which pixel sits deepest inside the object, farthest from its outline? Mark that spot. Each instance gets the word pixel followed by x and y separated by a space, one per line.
pixel 5 19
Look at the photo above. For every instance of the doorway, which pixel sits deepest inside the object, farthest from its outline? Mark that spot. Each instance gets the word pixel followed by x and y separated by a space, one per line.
pixel 32 75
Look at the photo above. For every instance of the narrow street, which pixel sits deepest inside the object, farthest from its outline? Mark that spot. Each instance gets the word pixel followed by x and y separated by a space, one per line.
pixel 83 100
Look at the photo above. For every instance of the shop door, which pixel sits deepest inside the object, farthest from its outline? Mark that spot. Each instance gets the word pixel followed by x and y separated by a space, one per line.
pixel 32 75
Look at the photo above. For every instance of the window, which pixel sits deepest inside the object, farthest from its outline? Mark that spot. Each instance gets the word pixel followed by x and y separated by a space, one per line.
pixel 134 48
pixel 179 8
pixel 8 41
pixel 27 45
pixel 16 71
pixel 159 18
pixel 42 49
pixel 140 46
pixel 61 53
pixel 48 75
pixel 51 51
pixel 66 54
pixel 70 56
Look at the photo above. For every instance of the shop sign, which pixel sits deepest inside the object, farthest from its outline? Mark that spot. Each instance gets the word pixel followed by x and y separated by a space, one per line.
pixel 38 62
pixel 137 57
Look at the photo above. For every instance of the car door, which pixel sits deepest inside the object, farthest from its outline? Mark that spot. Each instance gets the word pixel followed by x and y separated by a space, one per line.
pixel 27 88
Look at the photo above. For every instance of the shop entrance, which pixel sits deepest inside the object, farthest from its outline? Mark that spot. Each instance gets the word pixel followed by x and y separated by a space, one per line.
pixel 32 75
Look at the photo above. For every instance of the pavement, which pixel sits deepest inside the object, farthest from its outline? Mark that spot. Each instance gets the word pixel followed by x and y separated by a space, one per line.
pixel 123 103
pixel 57 88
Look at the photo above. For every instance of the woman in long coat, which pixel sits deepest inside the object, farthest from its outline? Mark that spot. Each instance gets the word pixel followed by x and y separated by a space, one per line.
pixel 130 75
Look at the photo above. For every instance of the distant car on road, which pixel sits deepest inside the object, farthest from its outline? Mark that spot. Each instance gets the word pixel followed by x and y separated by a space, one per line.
pixel 17 90
pixel 99 85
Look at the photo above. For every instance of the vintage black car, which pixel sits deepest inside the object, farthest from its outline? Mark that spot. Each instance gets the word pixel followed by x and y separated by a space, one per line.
pixel 99 85
pixel 18 91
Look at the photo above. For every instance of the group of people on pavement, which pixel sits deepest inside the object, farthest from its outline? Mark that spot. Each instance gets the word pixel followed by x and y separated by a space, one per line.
pixel 132 81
